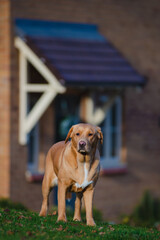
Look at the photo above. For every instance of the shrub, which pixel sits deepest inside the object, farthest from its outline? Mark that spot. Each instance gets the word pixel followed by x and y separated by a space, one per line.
pixel 147 212
pixel 7 203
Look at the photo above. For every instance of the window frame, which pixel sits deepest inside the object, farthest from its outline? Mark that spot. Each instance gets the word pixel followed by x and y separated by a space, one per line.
pixel 109 162
pixel 32 166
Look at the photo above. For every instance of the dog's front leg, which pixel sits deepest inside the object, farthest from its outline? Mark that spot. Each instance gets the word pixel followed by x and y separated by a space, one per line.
pixel 88 200
pixel 77 211
pixel 61 201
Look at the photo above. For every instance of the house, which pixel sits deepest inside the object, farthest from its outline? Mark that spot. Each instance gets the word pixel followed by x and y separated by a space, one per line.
pixel 58 69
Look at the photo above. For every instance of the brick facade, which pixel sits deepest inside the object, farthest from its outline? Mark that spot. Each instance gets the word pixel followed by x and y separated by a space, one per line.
pixel 4 98
pixel 133 27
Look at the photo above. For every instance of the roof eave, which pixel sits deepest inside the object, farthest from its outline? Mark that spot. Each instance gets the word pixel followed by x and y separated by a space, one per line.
pixel 107 84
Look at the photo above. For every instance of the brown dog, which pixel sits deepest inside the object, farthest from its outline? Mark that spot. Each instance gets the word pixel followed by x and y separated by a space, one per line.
pixel 74 165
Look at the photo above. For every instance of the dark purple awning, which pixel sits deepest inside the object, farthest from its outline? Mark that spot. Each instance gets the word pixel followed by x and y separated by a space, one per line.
pixel 78 54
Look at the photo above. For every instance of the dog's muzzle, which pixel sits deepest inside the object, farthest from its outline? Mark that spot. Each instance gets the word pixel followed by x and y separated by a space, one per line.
pixel 82 146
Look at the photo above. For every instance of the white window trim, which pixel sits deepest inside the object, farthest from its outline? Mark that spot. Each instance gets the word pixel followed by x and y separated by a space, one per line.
pixel 109 162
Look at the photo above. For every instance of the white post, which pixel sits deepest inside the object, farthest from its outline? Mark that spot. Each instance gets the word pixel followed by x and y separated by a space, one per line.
pixel 22 97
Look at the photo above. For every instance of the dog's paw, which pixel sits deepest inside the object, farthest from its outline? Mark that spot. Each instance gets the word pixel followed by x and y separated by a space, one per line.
pixel 85 184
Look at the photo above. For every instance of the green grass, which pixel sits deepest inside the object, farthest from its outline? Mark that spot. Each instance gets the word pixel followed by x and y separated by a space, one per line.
pixel 22 225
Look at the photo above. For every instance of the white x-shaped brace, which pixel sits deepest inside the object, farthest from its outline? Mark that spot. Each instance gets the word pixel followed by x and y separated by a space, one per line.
pixel 92 114
pixel 52 87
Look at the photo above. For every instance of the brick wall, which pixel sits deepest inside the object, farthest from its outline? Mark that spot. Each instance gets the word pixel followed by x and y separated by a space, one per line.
pixel 21 190
pixel 133 27
pixel 4 98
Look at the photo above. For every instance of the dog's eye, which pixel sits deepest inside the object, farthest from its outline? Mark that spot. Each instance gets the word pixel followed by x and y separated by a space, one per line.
pixel 90 134
pixel 77 134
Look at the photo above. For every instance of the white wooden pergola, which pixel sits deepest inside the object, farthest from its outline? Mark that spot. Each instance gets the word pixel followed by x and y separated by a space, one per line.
pixel 53 87
pixel 27 120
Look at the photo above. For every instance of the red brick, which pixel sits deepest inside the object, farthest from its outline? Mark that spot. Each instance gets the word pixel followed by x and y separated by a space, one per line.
pixel 132 28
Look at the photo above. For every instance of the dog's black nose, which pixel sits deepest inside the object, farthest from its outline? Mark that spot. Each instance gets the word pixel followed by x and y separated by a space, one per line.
pixel 82 144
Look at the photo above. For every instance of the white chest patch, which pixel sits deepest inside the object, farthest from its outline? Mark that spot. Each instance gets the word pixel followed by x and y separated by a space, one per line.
pixel 85 172
pixel 85 181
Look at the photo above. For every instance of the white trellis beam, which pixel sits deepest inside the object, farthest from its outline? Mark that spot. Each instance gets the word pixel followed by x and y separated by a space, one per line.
pixel 28 120
pixel 92 114
pixel 39 108
pixel 36 87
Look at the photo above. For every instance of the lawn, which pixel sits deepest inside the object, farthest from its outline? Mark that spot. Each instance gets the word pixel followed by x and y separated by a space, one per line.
pixel 23 225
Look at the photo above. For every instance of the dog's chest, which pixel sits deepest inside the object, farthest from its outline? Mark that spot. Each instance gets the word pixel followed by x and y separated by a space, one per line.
pixel 83 170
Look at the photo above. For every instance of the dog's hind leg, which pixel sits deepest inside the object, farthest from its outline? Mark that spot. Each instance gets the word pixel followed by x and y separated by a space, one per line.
pixel 77 211
pixel 49 181
pixel 47 185
pixel 45 192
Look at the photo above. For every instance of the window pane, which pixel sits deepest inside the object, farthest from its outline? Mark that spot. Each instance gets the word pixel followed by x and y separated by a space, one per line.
pixel 33 148
pixel 113 130
pixel 102 147
pixel 67 114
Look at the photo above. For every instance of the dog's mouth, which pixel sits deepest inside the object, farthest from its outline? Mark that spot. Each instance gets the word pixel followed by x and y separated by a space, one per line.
pixel 82 151
pixel 83 147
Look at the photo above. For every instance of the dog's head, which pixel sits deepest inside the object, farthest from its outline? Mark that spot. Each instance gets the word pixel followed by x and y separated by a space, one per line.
pixel 84 137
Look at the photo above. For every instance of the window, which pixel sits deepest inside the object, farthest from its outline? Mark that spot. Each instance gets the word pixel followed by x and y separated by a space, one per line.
pixel 111 127
pixel 33 149
pixel 33 137
pixel 67 114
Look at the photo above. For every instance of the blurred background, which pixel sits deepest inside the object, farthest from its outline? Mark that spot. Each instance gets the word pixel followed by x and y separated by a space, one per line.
pixel 64 62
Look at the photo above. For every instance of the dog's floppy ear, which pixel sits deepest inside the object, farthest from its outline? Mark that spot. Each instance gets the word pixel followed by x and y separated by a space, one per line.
pixel 100 134
pixel 69 134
